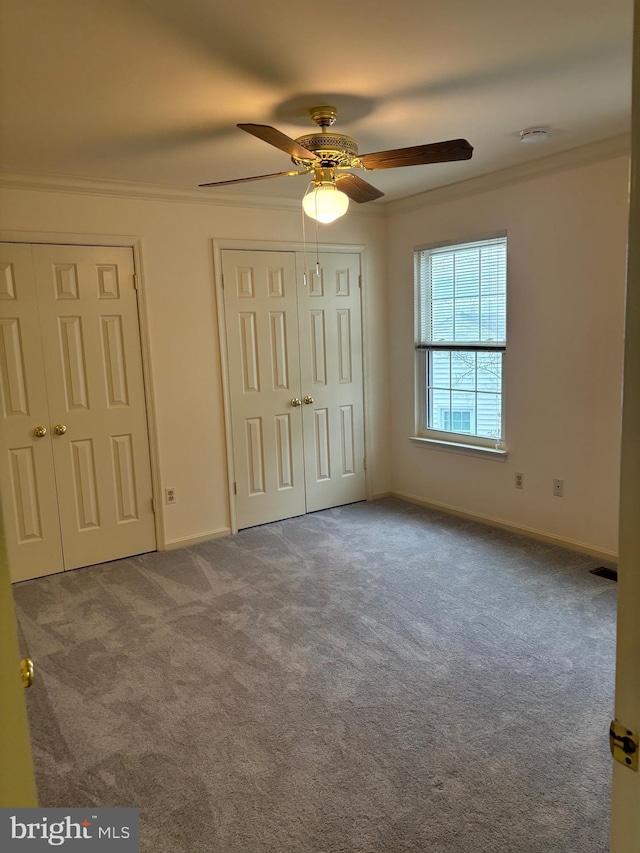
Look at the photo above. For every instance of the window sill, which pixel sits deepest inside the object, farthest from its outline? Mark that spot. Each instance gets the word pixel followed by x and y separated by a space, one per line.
pixel 459 447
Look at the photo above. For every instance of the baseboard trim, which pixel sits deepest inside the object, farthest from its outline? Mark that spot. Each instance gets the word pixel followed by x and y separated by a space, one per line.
pixel 188 541
pixel 530 532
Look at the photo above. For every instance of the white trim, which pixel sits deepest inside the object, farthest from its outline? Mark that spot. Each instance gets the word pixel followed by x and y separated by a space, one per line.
pixel 135 244
pixel 468 242
pixel 529 532
pixel 159 192
pixel 459 447
pixel 189 541
pixel 281 246
pixel 62 238
pixel 218 246
pixel 585 155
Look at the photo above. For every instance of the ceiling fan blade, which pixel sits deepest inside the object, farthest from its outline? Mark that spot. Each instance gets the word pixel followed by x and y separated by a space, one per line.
pixel 357 189
pixel 418 155
pixel 280 140
pixel 254 178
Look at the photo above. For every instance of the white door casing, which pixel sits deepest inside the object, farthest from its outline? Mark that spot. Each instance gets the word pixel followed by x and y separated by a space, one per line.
pixel 287 341
pixel 88 337
pixel 625 802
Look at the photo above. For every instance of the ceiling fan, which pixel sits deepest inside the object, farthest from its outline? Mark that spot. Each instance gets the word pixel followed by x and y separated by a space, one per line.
pixel 329 155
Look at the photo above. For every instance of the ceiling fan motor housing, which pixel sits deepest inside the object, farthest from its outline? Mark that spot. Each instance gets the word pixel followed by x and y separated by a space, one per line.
pixel 333 149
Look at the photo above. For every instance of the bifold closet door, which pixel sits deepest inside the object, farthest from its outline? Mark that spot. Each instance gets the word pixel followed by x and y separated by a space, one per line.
pixel 264 384
pixel 330 329
pixel 27 479
pixel 295 382
pixel 84 351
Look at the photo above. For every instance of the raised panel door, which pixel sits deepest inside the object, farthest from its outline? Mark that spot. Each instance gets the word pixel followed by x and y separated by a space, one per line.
pixel 264 377
pixel 331 376
pixel 29 502
pixel 93 369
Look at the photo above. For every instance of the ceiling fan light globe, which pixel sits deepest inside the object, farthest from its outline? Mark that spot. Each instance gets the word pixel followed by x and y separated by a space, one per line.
pixel 325 203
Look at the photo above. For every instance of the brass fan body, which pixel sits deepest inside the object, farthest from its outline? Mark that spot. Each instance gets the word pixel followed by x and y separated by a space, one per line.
pixel 331 153
pixel 332 150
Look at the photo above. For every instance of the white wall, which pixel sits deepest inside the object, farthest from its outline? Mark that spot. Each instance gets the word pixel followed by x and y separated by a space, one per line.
pixel 566 277
pixel 177 256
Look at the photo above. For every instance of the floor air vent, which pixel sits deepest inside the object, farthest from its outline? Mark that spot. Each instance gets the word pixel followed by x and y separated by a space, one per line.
pixel 603 572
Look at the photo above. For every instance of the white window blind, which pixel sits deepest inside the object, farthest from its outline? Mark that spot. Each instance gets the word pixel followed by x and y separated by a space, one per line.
pixel 461 296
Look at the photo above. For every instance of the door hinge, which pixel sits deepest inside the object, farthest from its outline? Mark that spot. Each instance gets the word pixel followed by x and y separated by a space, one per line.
pixel 235 488
pixel 222 280
pixel 135 281
pixel 364 462
pixel 360 282
pixel 624 745
pixel 153 504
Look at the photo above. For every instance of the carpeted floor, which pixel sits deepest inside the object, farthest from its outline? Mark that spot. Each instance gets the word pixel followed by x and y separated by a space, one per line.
pixel 376 678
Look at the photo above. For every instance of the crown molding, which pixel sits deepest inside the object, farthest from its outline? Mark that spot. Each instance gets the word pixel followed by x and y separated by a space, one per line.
pixel 585 155
pixel 157 192
pixel 606 149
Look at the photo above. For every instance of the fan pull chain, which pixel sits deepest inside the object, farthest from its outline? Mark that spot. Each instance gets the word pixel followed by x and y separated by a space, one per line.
pixel 304 249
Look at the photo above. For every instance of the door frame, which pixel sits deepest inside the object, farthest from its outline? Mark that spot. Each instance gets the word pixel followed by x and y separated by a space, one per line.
pixel 220 245
pixel 625 789
pixel 119 241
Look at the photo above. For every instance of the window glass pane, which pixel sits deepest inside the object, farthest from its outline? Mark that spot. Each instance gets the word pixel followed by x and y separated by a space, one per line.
pixel 461 401
pixel 442 276
pixel 467 272
pixel 493 318
pixel 442 320
pixel 440 369
pixel 440 408
pixel 466 320
pixel 457 421
pixel 463 371
pixel 489 412
pixel 489 371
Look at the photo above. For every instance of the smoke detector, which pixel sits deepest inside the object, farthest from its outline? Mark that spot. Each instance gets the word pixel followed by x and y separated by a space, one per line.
pixel 534 134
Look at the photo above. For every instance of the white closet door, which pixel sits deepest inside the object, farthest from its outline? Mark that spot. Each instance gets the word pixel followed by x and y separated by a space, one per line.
pixel 93 368
pixel 264 377
pixel 28 487
pixel 331 375
pixel 287 341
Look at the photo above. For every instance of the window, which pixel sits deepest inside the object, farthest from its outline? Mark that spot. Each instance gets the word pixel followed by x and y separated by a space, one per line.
pixel 456 421
pixel 460 341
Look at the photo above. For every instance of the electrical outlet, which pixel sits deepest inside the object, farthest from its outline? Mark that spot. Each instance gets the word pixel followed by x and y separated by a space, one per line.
pixel 170 496
pixel 519 481
pixel 558 488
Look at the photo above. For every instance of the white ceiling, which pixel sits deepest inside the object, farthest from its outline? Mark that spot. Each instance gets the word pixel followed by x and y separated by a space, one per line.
pixel 151 90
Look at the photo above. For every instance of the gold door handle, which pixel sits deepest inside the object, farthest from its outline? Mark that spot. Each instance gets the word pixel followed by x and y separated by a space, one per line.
pixel 26 672
pixel 59 429
pixel 40 431
pixel 308 400
pixel 295 402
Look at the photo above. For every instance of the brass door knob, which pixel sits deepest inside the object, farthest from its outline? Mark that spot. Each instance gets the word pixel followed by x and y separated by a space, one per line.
pixel 59 429
pixel 295 402
pixel 26 672
pixel 308 400
pixel 40 431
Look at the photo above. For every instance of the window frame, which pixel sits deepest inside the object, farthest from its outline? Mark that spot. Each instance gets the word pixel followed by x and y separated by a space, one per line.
pixel 422 432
